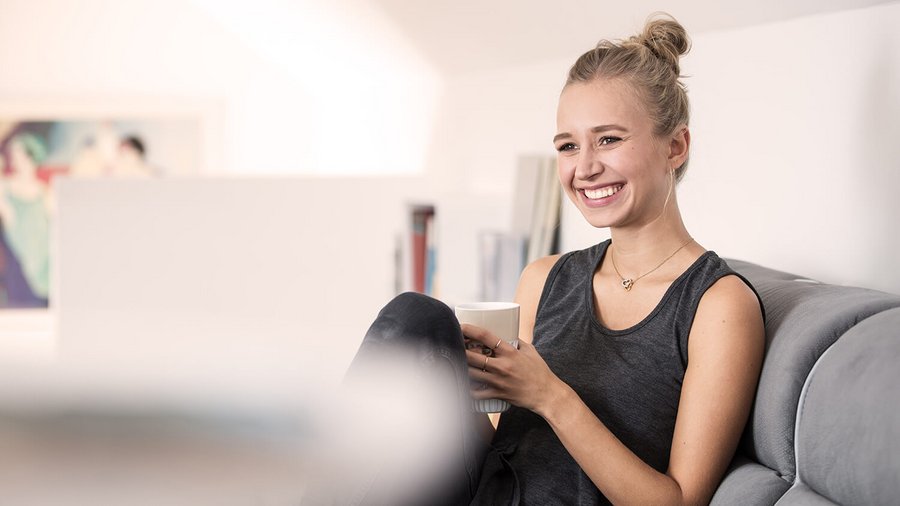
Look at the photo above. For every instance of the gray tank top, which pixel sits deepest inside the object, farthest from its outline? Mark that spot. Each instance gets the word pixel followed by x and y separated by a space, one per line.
pixel 631 379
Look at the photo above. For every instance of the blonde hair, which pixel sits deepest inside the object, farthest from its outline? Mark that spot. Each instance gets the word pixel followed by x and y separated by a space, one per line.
pixel 648 61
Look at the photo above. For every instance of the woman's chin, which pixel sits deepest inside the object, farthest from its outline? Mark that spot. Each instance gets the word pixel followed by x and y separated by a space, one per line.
pixel 600 218
pixel 597 221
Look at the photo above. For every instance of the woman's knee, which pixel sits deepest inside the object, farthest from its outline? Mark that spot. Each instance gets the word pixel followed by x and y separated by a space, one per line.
pixel 412 317
pixel 417 306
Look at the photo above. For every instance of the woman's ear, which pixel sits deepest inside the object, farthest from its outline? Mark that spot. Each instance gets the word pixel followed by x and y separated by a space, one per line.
pixel 679 147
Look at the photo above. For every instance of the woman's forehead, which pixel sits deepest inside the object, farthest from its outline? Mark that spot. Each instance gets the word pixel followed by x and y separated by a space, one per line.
pixel 600 101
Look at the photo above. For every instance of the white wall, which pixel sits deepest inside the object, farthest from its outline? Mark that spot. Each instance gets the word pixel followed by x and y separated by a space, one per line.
pixel 301 87
pixel 224 279
pixel 283 87
pixel 794 161
pixel 796 126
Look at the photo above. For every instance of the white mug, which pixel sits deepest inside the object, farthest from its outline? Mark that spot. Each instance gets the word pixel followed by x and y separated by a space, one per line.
pixel 502 320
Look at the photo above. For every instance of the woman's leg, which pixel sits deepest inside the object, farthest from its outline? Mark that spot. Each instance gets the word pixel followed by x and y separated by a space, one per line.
pixel 417 340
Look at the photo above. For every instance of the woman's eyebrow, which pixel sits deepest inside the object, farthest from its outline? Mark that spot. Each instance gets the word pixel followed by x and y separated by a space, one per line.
pixel 605 128
pixel 597 129
pixel 563 135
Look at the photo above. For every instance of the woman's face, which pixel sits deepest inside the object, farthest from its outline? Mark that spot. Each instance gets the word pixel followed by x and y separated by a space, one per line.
pixel 611 164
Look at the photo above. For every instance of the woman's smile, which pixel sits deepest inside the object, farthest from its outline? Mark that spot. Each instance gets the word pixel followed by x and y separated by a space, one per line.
pixel 601 196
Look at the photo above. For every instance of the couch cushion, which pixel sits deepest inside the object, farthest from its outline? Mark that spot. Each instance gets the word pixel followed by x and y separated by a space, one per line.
pixel 803 318
pixel 801 495
pixel 749 484
pixel 848 434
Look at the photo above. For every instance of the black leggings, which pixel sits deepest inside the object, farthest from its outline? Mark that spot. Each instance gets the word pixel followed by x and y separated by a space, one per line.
pixel 425 332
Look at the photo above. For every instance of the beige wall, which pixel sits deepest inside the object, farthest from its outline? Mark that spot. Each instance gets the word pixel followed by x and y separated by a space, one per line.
pixel 794 161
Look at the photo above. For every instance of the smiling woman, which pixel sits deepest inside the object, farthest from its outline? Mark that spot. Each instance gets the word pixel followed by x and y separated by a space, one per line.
pixel 638 357
pixel 627 418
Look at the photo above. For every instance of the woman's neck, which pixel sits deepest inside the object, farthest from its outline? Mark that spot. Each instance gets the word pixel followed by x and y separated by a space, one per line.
pixel 641 247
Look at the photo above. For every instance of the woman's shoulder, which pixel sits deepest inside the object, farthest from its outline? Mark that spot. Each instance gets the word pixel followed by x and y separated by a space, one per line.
pixel 731 292
pixel 541 267
pixel 536 273
pixel 727 289
pixel 533 277
pixel 528 293
pixel 729 307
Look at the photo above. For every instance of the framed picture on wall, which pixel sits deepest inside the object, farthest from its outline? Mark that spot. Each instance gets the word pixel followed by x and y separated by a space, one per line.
pixel 43 140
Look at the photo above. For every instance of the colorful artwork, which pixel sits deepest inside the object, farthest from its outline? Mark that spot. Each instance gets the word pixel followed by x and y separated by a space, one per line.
pixel 34 153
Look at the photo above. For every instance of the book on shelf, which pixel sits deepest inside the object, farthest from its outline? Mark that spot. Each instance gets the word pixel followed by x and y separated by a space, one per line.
pixel 423 251
pixel 533 231
pixel 544 232
pixel 430 255
pixel 501 257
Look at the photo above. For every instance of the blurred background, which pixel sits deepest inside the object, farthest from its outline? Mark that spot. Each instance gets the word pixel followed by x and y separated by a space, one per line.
pixel 205 203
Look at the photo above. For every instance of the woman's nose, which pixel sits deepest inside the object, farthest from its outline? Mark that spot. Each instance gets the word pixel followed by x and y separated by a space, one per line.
pixel 588 165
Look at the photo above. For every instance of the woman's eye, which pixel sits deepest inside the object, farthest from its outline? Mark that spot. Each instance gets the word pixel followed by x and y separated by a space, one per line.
pixel 565 147
pixel 606 140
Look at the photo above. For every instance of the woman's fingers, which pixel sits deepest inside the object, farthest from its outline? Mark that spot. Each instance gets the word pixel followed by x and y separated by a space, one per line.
pixel 479 334
pixel 476 350
pixel 476 359
pixel 479 376
pixel 485 338
pixel 490 361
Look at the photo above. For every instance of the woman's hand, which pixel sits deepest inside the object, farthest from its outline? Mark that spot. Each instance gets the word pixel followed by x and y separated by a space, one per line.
pixel 519 376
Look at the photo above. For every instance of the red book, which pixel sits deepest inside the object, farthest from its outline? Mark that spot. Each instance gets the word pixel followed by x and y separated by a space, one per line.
pixel 419 250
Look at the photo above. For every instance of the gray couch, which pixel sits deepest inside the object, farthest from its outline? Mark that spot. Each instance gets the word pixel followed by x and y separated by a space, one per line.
pixel 825 426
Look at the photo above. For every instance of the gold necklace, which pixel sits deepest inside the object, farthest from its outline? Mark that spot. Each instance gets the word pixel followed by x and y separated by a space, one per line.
pixel 628 283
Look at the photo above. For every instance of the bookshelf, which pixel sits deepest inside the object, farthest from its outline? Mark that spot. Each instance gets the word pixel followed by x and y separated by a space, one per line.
pixel 533 232
pixel 465 247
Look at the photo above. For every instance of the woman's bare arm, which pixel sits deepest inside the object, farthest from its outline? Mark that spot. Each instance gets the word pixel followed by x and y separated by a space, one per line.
pixel 725 355
pixel 528 294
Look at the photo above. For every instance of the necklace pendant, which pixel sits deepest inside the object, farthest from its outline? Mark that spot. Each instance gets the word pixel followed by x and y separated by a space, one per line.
pixel 627 284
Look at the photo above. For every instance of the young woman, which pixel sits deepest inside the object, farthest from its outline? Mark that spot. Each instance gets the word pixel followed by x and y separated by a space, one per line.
pixel 639 356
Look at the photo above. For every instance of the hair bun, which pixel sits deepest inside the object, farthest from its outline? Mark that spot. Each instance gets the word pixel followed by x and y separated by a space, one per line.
pixel 666 38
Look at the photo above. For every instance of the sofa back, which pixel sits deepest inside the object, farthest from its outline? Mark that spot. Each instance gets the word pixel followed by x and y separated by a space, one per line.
pixel 848 431
pixel 804 318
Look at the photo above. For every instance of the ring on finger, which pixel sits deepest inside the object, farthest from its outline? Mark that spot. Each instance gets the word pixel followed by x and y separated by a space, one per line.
pixel 484 367
pixel 498 343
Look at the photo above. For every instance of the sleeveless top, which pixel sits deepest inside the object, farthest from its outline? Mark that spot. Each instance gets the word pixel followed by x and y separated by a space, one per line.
pixel 631 379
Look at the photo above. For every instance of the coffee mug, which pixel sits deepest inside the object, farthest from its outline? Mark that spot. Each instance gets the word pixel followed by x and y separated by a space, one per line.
pixel 502 320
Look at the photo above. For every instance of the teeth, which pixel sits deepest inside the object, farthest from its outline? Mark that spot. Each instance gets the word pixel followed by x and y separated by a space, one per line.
pixel 602 192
